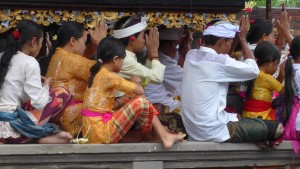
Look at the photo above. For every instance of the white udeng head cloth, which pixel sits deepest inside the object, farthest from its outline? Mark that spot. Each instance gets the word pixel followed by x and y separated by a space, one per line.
pixel 126 32
pixel 222 30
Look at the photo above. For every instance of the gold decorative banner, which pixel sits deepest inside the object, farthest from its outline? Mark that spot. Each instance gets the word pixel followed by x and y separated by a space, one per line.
pixel 9 18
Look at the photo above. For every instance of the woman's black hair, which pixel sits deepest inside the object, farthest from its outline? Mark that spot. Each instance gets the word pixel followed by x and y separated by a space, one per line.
pixel 126 22
pixel 27 29
pixel 42 56
pixel 264 53
pixel 108 48
pixel 258 29
pixel 288 87
pixel 64 34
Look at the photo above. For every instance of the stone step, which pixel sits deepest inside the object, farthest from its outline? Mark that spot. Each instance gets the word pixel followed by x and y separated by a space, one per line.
pixel 144 155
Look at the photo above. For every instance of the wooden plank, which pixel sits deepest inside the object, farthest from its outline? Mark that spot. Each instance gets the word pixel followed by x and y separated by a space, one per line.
pixel 227 6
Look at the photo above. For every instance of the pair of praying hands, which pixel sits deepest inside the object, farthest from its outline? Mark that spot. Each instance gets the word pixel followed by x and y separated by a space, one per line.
pixel 244 26
pixel 283 25
pixel 152 43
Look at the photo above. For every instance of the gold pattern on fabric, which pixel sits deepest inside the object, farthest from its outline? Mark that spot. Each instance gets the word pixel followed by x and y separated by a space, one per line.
pixel 70 71
pixel 100 97
pixel 264 86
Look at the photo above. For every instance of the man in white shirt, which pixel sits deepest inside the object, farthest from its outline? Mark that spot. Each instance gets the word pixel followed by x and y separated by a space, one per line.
pixel 165 92
pixel 162 94
pixel 206 75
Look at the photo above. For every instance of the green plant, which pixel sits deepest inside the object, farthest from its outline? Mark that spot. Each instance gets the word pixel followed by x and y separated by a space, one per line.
pixel 277 3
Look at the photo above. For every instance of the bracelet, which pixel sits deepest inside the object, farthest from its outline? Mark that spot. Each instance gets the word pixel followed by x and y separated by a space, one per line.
pixel 155 57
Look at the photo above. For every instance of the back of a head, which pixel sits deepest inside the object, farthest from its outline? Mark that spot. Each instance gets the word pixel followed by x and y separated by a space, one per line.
pixel 265 52
pixel 23 33
pixel 218 28
pixel 289 90
pixel 295 48
pixel 258 29
pixel 110 47
pixel 27 30
pixel 196 40
pixel 68 30
pixel 65 32
pixel 168 36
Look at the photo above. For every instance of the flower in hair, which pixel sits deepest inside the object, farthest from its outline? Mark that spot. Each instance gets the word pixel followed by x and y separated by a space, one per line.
pixel 132 38
pixel 54 37
pixel 16 34
pixel 248 7
pixel 252 21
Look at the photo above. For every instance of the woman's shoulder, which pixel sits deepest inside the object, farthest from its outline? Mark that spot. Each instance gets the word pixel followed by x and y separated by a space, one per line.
pixel 108 75
pixel 70 57
pixel 24 59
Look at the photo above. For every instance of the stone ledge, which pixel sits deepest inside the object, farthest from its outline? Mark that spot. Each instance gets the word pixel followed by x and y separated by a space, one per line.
pixel 181 155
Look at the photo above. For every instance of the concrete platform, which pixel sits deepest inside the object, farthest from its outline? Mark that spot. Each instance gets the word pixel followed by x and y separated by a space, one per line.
pixel 144 156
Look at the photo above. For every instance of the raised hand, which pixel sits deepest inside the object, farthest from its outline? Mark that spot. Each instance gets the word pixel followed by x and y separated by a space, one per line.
pixel 99 33
pixel 283 25
pixel 152 42
pixel 244 25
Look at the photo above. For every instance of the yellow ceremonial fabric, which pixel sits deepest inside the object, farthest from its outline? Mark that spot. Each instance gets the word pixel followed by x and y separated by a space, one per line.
pixel 263 89
pixel 265 115
pixel 100 98
pixel 97 131
pixel 71 71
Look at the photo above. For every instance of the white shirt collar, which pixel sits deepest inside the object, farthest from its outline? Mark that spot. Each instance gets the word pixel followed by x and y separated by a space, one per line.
pixel 207 50
pixel 296 66
pixel 165 59
pixel 131 55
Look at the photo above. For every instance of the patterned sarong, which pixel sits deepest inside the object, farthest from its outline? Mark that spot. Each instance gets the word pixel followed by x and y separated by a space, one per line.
pixel 137 110
pixel 60 99
pixel 247 130
pixel 267 133
pixel 170 119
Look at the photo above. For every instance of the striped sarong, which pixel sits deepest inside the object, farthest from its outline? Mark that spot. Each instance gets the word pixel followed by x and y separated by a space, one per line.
pixel 136 110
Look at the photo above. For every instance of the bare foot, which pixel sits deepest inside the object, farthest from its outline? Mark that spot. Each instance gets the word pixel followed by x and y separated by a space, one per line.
pixel 170 139
pixel 59 138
